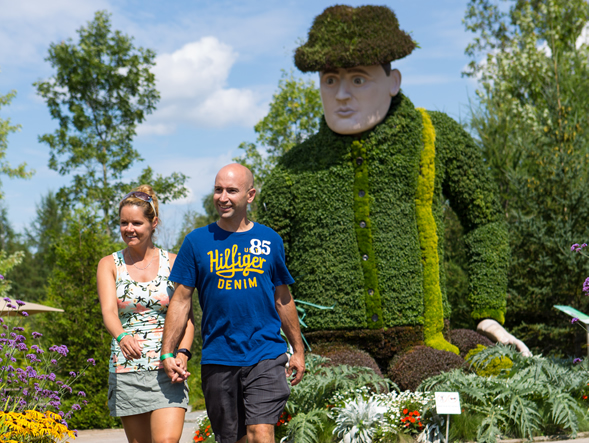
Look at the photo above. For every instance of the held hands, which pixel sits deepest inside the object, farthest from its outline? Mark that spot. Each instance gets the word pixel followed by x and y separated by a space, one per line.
pixel 130 347
pixel 496 332
pixel 297 364
pixel 176 368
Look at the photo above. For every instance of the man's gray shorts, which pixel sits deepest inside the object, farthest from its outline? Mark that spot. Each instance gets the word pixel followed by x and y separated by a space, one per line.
pixel 238 396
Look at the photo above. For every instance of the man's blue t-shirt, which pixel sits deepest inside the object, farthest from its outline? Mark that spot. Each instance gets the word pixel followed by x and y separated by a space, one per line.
pixel 235 274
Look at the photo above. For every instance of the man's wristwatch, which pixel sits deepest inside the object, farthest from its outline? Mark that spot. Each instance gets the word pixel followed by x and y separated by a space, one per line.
pixel 185 352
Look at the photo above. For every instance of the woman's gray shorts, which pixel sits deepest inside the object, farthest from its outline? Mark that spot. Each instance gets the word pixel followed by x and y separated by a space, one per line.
pixel 132 393
pixel 238 396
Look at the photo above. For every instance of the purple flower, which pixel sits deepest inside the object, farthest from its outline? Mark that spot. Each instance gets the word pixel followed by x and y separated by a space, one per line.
pixel 24 314
pixel 575 319
pixel 583 245
pixel 82 394
pixel 6 299
pixel 93 363
pixel 11 306
pixel 72 374
pixel 76 407
pixel 18 328
pixel 53 361
pixel 20 302
pixel 574 246
pixel 37 334
pixel 1 277
pixel 585 288
pixel 577 360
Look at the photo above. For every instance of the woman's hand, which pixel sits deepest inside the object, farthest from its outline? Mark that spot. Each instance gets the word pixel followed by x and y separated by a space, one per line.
pixel 130 347
pixel 182 362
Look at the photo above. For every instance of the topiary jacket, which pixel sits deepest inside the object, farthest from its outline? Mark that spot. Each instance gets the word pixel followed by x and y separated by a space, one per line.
pixel 362 223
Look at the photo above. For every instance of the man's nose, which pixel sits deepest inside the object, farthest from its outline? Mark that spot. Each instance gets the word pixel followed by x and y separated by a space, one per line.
pixel 343 92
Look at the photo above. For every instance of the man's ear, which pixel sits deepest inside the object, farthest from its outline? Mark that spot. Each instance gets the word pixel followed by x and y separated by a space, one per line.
pixel 396 81
pixel 251 195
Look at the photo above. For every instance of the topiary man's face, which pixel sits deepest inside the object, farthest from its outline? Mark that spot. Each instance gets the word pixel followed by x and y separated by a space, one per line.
pixel 357 99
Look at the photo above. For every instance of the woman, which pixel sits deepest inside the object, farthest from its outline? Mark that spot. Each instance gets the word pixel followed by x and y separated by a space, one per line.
pixel 134 293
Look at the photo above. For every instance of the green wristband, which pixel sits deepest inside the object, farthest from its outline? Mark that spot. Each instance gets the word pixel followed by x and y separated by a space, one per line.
pixel 165 356
pixel 120 337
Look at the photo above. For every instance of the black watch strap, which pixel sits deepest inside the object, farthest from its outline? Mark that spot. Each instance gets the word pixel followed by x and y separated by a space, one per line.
pixel 186 352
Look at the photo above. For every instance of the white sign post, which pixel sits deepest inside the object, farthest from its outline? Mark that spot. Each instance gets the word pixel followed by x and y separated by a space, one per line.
pixel 447 403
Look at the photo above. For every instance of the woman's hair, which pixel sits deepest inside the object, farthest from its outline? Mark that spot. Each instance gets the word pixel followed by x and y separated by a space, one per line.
pixel 148 210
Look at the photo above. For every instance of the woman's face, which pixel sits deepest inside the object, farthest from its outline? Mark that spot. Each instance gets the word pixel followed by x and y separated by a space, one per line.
pixel 135 227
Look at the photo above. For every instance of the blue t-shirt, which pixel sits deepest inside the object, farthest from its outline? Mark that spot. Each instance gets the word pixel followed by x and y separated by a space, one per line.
pixel 235 274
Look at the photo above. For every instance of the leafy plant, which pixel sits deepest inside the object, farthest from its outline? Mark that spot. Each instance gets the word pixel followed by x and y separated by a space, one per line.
pixel 310 399
pixel 537 395
pixel 357 419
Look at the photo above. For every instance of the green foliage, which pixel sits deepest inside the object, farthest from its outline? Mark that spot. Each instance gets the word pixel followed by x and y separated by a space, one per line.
pixel 192 220
pixel 309 200
pixel 344 37
pixel 536 396
pixel 531 121
pixel 72 287
pixel 487 368
pixel 102 90
pixel 5 129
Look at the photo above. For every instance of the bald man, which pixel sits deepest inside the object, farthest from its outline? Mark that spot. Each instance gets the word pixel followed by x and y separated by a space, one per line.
pixel 238 267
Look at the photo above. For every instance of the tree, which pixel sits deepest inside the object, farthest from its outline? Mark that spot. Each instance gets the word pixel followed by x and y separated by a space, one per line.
pixel 294 115
pixel 72 287
pixel 102 90
pixel 5 129
pixel 532 124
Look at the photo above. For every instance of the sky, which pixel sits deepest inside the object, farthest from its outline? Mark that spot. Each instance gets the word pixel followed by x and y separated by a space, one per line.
pixel 218 64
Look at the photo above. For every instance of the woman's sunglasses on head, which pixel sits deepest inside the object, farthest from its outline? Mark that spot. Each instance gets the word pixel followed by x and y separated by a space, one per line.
pixel 142 196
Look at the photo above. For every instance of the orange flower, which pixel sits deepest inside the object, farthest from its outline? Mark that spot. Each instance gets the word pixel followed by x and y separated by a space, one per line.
pixel 412 419
pixel 405 411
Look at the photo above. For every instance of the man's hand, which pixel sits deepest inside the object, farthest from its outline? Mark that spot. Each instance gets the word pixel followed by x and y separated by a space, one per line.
pixel 130 347
pixel 297 364
pixel 496 332
pixel 173 370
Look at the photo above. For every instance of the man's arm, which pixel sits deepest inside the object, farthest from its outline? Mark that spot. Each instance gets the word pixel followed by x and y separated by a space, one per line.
pixel 290 324
pixel 175 328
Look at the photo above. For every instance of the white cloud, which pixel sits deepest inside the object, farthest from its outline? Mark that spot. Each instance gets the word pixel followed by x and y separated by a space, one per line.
pixel 193 85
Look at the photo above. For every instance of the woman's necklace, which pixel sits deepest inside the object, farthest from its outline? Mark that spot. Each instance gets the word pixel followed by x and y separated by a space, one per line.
pixel 135 261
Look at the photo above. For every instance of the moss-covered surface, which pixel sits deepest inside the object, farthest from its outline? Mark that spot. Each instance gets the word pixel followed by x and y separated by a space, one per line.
pixel 433 312
pixel 312 200
pixel 343 37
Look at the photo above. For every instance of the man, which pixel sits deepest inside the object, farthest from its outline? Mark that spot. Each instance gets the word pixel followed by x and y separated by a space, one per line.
pixel 238 268
pixel 360 204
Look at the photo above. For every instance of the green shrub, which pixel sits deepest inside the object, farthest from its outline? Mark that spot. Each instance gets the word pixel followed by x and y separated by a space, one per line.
pixel 490 367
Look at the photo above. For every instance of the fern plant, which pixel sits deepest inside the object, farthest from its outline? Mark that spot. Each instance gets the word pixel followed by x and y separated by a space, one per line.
pixel 536 395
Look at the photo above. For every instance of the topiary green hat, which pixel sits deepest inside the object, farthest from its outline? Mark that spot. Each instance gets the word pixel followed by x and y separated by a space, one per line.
pixel 343 37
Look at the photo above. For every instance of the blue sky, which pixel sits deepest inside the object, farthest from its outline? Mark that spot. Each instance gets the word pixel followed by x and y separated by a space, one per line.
pixel 218 64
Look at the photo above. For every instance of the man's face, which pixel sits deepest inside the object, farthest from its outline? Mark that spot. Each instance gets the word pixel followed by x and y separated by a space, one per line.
pixel 232 193
pixel 357 99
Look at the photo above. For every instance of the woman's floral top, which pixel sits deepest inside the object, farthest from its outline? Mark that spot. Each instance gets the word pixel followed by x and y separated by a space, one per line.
pixel 142 311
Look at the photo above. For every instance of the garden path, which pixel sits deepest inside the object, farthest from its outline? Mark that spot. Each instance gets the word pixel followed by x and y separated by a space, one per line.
pixel 118 435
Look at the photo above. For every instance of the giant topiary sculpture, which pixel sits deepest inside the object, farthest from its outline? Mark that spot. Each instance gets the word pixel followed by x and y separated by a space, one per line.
pixel 359 204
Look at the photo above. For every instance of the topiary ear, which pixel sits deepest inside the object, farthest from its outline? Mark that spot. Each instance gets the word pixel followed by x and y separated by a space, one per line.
pixel 396 82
